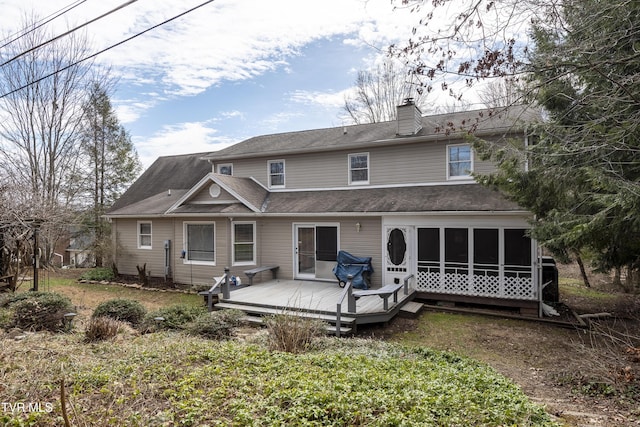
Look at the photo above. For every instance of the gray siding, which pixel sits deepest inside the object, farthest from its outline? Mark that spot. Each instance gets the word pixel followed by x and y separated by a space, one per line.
pixel 275 246
pixel 128 256
pixel 388 165
pixel 275 242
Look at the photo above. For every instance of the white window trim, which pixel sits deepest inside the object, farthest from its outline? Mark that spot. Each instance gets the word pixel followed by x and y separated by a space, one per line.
pixel 366 182
pixel 448 164
pixel 185 243
pixel 138 235
pixel 222 165
pixel 233 243
pixel 284 175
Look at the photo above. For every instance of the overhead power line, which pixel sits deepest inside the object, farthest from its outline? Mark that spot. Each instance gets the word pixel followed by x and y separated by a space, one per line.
pixel 104 50
pixel 66 33
pixel 19 34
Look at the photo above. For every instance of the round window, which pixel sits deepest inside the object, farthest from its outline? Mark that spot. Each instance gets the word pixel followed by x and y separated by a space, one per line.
pixel 214 190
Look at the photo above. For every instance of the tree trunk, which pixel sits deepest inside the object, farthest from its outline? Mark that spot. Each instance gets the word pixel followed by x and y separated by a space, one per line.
pixel 583 271
pixel 142 274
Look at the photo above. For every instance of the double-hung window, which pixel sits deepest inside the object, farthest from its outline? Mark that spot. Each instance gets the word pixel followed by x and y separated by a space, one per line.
pixel 459 161
pixel 244 243
pixel 199 242
pixel 144 235
pixel 276 173
pixel 225 169
pixel 359 168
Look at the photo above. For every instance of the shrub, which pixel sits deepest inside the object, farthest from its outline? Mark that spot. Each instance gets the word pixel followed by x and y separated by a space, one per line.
pixel 292 333
pixel 5 318
pixel 102 328
pixel 125 310
pixel 99 273
pixel 216 325
pixel 173 317
pixel 9 299
pixel 41 311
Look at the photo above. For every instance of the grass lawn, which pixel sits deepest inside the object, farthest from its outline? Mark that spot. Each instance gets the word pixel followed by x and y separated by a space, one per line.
pixel 86 296
pixel 170 378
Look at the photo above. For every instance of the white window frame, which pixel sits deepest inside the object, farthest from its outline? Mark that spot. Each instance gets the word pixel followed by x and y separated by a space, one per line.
pixel 185 236
pixel 223 165
pixel 270 175
pixel 351 170
pixel 233 243
pixel 461 177
pixel 139 235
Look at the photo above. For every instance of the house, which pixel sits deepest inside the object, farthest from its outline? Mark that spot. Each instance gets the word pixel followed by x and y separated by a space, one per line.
pixel 79 251
pixel 399 191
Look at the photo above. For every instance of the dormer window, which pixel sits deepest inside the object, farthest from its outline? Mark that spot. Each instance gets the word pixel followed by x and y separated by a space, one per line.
pixel 225 169
pixel 359 168
pixel 276 173
pixel 459 161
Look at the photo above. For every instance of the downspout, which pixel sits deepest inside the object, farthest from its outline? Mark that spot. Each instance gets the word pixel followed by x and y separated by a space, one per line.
pixel 229 243
pixel 167 259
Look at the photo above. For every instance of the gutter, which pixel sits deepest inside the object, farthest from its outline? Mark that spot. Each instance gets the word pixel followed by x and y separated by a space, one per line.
pixel 327 214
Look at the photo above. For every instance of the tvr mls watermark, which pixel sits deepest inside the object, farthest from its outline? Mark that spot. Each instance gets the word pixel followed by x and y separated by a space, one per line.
pixel 26 407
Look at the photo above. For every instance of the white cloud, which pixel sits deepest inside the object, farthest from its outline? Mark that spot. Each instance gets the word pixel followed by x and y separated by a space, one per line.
pixel 184 138
pixel 331 100
pixel 271 122
pixel 232 114
pixel 223 40
pixel 129 110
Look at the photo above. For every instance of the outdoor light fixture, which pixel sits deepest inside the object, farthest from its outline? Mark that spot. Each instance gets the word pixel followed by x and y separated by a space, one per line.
pixel 358 226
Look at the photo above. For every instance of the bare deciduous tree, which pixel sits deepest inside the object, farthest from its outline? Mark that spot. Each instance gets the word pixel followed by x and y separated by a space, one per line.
pixel 42 92
pixel 501 93
pixel 377 93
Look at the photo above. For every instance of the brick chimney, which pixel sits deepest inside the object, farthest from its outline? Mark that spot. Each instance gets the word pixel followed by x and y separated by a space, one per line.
pixel 409 118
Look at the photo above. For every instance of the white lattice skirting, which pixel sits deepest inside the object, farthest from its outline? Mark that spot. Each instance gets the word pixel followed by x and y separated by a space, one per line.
pixel 481 286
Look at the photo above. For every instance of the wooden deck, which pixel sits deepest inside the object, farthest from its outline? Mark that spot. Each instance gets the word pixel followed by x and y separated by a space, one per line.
pixel 312 299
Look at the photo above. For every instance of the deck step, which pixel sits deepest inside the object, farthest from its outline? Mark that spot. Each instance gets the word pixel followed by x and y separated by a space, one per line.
pixel 257 320
pixel 266 311
pixel 411 309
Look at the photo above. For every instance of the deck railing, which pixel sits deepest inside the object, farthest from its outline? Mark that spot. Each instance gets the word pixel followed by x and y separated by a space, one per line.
pixel 347 294
pixel 405 281
pixel 222 283
pixel 351 303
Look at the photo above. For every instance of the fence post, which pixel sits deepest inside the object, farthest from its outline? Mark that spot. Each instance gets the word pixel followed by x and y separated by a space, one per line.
pixel 351 301
pixel 226 292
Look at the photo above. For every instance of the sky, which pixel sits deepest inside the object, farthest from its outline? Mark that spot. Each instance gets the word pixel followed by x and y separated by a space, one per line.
pixel 231 69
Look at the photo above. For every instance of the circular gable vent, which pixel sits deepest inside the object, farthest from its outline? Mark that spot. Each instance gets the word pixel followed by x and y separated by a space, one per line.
pixel 214 190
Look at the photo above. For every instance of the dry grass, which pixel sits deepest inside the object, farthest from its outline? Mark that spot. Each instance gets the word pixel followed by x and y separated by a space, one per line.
pixel 292 333
pixel 87 296
pixel 102 328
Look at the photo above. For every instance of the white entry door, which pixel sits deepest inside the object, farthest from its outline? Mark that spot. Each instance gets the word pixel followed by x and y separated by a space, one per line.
pixel 398 249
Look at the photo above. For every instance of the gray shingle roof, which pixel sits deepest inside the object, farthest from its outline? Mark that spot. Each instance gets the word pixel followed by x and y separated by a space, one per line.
pixel 437 198
pixel 441 126
pixel 170 172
